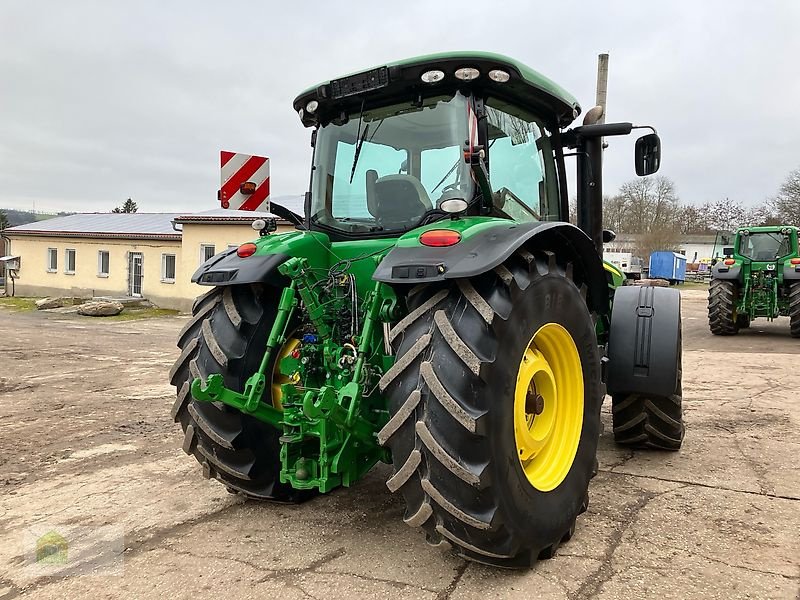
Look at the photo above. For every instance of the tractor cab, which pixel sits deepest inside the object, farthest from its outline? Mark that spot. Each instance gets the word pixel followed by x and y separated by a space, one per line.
pixel 428 138
pixel 766 244
pixel 409 144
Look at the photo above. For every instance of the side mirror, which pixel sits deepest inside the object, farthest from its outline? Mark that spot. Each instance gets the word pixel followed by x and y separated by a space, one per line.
pixel 727 251
pixel 608 236
pixel 648 154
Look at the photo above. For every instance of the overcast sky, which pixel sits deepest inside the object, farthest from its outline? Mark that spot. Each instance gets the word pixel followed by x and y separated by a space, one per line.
pixel 105 100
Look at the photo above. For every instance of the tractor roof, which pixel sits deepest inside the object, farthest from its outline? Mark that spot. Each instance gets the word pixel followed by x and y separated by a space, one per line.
pixel 393 82
pixel 767 229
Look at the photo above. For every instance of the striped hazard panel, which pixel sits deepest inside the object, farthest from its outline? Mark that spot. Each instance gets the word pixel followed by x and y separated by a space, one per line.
pixel 245 181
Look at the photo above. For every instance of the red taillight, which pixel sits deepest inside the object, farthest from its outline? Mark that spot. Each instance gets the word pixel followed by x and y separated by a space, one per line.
pixel 246 250
pixel 795 261
pixel 729 261
pixel 440 238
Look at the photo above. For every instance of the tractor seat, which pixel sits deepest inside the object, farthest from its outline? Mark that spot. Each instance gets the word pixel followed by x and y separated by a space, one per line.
pixel 765 256
pixel 396 201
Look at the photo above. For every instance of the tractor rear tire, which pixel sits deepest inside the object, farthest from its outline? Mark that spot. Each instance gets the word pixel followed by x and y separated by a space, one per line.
pixel 722 307
pixel 794 310
pixel 454 401
pixel 227 335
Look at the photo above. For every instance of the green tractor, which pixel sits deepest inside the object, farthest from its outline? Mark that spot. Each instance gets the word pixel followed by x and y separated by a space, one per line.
pixel 434 311
pixel 759 277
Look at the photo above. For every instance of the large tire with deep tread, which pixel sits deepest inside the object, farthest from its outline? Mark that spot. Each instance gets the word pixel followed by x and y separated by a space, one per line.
pixel 451 399
pixel 722 307
pixel 227 335
pixel 794 309
pixel 643 421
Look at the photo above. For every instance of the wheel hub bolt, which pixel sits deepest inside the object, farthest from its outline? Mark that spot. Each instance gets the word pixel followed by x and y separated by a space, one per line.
pixel 534 404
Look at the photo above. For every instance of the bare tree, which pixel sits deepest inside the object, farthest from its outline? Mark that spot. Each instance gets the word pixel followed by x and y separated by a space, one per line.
pixel 786 204
pixel 692 219
pixel 763 215
pixel 646 203
pixel 648 206
pixel 3 220
pixel 614 213
pixel 726 215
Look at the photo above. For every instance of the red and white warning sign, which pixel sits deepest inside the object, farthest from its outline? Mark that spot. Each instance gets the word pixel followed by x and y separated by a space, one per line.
pixel 245 181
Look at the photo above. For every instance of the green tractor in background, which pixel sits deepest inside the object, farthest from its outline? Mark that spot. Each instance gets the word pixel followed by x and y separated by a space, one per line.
pixel 760 277
pixel 435 311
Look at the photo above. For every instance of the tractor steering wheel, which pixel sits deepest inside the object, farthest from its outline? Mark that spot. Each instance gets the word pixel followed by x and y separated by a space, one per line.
pixel 501 195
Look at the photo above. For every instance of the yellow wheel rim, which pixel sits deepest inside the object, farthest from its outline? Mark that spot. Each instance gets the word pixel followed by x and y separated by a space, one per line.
pixel 278 379
pixel 548 407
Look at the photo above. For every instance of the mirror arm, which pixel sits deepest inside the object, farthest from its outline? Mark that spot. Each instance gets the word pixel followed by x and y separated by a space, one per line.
pixel 650 127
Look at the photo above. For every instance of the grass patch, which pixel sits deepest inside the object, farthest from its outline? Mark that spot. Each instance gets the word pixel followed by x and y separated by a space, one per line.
pixel 18 304
pixel 134 313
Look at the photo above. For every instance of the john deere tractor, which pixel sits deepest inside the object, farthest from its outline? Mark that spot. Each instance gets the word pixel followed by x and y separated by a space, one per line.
pixel 759 277
pixel 434 310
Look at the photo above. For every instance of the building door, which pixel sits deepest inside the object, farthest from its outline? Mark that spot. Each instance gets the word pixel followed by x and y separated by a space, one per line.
pixel 135 274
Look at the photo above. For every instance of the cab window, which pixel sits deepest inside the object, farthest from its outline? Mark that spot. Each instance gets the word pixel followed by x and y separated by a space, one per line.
pixel 350 198
pixel 521 165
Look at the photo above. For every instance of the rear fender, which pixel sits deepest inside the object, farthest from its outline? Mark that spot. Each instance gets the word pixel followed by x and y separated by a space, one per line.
pixel 489 247
pixel 644 345
pixel 227 268
pixel 723 271
pixel 791 272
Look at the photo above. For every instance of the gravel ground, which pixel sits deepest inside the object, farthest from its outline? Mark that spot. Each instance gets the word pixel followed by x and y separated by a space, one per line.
pixel 87 449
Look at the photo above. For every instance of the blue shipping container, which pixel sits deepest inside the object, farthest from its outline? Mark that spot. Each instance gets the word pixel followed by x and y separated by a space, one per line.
pixel 668 265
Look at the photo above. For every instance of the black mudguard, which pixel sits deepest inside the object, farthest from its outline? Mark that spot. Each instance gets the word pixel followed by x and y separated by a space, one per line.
pixel 644 346
pixel 226 268
pixel 484 251
pixel 723 271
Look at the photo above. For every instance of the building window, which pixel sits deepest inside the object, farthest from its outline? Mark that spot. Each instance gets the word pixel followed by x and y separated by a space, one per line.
pixel 206 252
pixel 69 261
pixel 102 263
pixel 168 268
pixel 52 260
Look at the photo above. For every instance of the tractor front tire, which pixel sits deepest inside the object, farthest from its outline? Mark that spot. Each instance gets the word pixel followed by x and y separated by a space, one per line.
pixel 722 307
pixel 464 391
pixel 643 421
pixel 227 335
pixel 794 309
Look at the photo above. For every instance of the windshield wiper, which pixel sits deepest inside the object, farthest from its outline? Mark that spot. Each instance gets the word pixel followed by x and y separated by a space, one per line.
pixel 360 137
